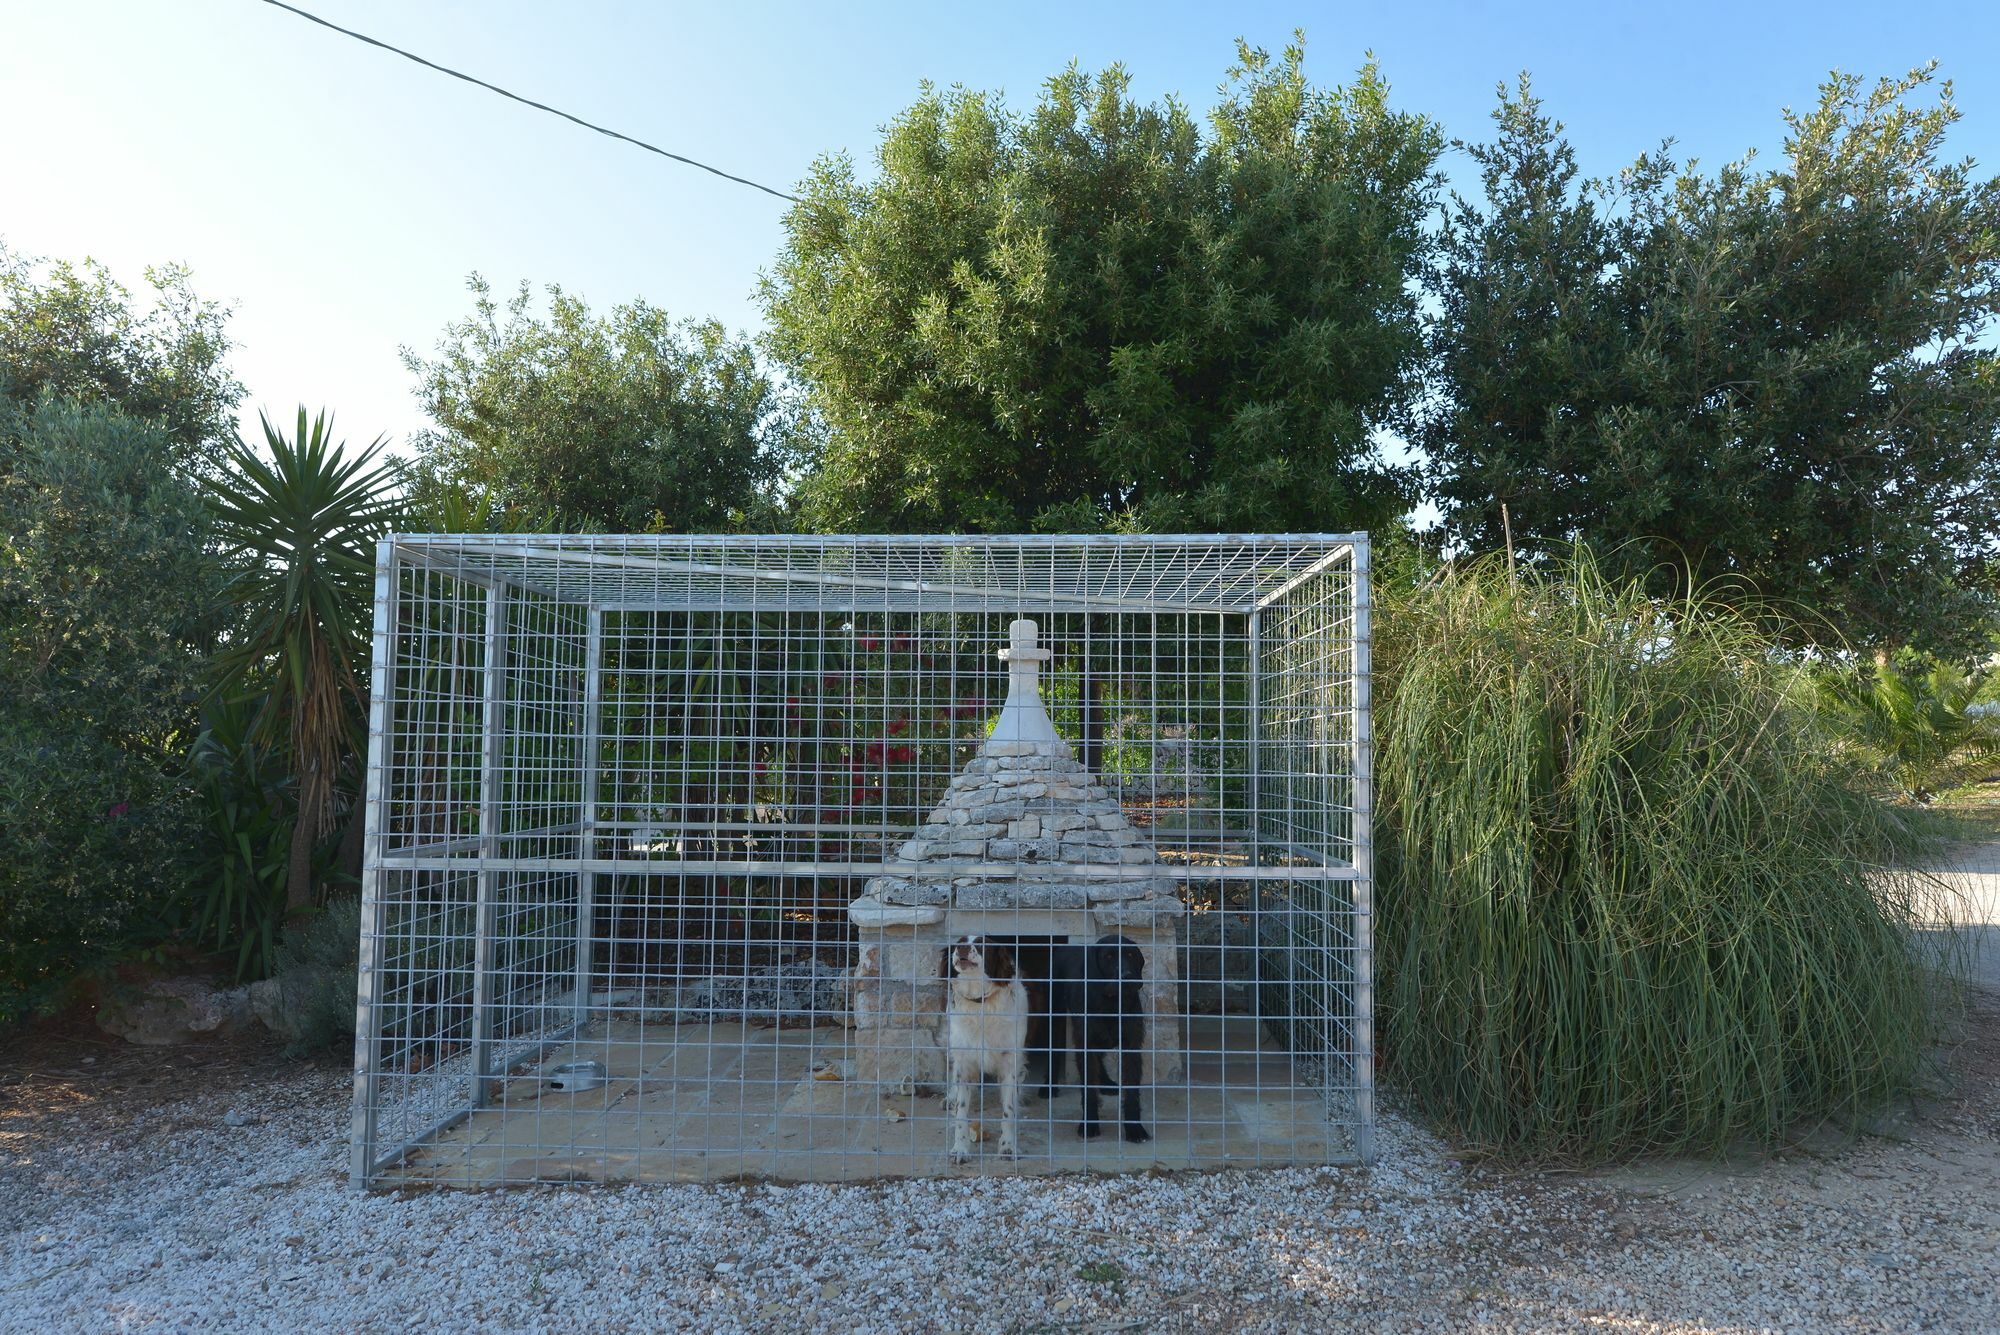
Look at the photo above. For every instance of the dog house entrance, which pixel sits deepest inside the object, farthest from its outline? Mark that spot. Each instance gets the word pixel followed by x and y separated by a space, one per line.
pixel 667 837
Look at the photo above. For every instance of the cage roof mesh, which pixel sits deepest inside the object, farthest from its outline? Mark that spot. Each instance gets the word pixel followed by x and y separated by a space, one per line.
pixel 1222 573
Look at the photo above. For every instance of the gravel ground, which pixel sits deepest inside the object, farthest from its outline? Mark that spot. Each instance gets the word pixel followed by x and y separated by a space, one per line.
pixel 128 1200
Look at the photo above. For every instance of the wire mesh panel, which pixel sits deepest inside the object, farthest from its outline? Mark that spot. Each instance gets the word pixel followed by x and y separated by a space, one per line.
pixel 811 858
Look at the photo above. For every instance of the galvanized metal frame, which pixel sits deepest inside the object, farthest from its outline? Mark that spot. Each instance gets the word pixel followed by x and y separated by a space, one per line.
pixel 1238 581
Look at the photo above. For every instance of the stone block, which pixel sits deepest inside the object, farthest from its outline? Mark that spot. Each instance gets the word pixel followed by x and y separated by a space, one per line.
pixel 869 913
pixel 1023 895
pixel 913 892
pixel 1120 891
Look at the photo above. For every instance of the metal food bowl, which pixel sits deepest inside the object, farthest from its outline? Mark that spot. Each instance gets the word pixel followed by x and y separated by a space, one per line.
pixel 577 1077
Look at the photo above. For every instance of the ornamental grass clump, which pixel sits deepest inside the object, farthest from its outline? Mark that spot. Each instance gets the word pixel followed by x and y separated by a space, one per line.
pixel 1629 900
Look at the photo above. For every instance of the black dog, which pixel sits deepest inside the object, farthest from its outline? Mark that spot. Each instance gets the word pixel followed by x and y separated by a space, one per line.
pixel 1095 1011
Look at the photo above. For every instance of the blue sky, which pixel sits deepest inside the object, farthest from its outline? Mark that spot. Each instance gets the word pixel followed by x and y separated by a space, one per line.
pixel 336 196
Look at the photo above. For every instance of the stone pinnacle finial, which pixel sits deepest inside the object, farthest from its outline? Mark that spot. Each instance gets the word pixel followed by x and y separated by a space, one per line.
pixel 1024 719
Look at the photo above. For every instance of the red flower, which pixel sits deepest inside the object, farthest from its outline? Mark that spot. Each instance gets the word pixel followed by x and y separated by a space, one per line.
pixel 759 767
pixel 898 726
pixel 869 642
pixel 118 810
pixel 832 679
pixel 901 644
pixel 901 753
pixel 875 752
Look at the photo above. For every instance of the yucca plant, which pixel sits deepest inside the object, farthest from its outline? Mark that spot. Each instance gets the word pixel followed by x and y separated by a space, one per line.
pixel 301 525
pixel 1629 900
pixel 1920 728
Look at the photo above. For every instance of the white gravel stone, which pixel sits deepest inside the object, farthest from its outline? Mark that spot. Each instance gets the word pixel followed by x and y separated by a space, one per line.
pixel 171 1223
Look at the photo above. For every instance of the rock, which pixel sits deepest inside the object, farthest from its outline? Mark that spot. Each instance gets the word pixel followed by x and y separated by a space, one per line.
pixel 807 989
pixel 277 1003
pixel 167 1011
pixel 235 1118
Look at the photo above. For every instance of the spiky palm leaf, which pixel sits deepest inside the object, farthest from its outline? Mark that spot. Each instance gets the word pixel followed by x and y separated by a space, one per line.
pixel 303 523
pixel 1917 727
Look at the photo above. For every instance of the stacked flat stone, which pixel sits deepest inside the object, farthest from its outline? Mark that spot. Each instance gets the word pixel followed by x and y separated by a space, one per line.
pixel 1023 825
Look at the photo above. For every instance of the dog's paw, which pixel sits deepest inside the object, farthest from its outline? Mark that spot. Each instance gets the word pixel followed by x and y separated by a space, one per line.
pixel 961 1154
pixel 1009 1150
pixel 1088 1130
pixel 1137 1134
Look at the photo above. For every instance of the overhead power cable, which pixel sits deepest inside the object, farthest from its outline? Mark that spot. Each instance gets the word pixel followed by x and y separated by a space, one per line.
pixel 528 101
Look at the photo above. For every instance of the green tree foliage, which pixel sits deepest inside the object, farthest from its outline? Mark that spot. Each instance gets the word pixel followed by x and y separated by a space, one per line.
pixel 1100 313
pixel 106 594
pixel 300 526
pixel 75 332
pixel 626 423
pixel 1774 375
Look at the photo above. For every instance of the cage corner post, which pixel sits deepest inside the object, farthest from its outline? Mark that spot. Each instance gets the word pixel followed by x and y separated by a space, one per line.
pixel 1364 861
pixel 486 894
pixel 368 990
pixel 586 879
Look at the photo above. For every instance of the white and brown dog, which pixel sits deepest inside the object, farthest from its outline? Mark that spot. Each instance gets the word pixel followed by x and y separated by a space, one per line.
pixel 988 1035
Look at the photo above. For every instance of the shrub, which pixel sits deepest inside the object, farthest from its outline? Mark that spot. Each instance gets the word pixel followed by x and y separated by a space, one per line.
pixel 315 979
pixel 95 845
pixel 246 796
pixel 105 585
pixel 1627 900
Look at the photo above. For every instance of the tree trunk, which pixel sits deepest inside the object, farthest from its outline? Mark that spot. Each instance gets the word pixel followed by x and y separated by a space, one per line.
pixel 305 833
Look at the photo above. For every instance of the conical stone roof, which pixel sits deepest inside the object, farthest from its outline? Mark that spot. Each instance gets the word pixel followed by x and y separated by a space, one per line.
pixel 1024 824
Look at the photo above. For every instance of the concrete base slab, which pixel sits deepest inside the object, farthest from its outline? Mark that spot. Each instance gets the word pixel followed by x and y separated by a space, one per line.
pixel 726 1100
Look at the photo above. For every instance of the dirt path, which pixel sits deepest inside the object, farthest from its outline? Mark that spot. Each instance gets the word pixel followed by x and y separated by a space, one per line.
pixel 1972 873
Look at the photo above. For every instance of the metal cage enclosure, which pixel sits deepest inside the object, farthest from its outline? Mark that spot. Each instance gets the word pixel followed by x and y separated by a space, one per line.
pixel 631 803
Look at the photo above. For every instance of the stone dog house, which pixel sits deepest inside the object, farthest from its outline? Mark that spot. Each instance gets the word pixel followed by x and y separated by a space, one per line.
pixel 1027 845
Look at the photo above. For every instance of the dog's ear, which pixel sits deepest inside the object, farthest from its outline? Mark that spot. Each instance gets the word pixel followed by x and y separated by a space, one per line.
pixel 999 963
